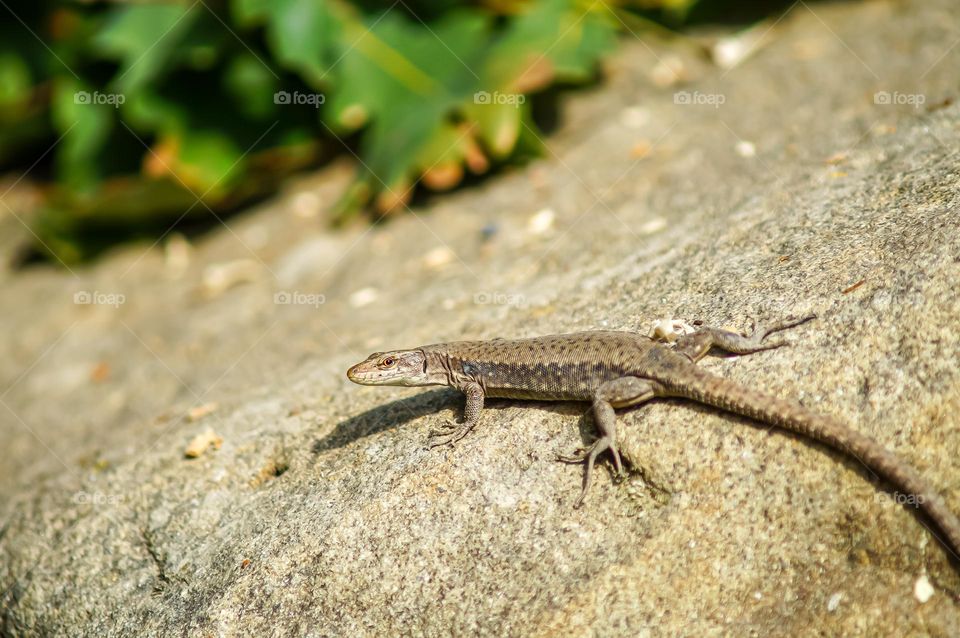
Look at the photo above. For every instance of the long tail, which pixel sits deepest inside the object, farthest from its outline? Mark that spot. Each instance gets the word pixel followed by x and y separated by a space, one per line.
pixel 721 393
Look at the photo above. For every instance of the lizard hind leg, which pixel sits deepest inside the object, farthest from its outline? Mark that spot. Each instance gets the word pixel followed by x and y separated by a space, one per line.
pixel 696 345
pixel 620 393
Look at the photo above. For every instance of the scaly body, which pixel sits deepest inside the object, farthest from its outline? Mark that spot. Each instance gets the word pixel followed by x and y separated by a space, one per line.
pixel 623 369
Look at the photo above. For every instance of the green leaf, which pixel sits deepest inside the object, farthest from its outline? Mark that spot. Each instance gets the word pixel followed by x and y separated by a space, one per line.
pixel 302 34
pixel 585 35
pixel 426 89
pixel 418 80
pixel 553 39
pixel 208 162
pixel 85 122
pixel 147 112
pixel 146 38
pixel 16 83
pixel 251 85
pixel 498 123
pixel 414 79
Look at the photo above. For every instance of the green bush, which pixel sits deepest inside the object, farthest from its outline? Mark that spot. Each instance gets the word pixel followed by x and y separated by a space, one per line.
pixel 152 113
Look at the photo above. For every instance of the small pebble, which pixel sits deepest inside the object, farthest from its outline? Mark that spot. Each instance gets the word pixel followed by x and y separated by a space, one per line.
pixel 438 257
pixel 202 442
pixel 837 158
pixel 199 411
pixel 176 255
pixel 834 602
pixel 220 277
pixel 729 52
pixel 364 297
pixel 100 372
pixel 542 221
pixel 306 205
pixel 655 225
pixel 669 71
pixel 634 117
pixel 641 149
pixel 746 149
pixel 923 590
pixel 256 236
pixel 669 330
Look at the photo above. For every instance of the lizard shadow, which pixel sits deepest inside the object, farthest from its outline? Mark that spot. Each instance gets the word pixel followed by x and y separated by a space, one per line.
pixel 395 414
pixel 386 416
pixel 880 484
pixel 739 422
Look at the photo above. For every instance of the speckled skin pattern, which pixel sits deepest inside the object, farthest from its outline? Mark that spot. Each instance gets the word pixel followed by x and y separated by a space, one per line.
pixel 621 369
pixel 566 367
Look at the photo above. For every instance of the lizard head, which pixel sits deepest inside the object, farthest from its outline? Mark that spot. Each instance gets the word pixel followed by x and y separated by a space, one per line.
pixel 398 367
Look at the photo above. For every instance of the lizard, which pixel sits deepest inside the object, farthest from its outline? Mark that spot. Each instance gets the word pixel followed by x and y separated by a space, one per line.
pixel 618 369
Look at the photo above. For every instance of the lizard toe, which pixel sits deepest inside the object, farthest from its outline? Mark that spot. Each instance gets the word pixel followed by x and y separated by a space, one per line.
pixel 590 456
pixel 576 458
pixel 447 434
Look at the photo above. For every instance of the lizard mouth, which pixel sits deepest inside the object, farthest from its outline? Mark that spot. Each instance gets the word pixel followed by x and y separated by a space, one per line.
pixel 354 373
pixel 365 376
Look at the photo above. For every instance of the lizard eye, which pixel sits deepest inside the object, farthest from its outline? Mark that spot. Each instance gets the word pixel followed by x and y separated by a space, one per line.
pixel 387 362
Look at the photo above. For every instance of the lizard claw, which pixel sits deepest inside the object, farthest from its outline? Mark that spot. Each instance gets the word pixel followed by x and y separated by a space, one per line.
pixel 447 428
pixel 448 433
pixel 590 456
pixel 758 334
pixel 576 458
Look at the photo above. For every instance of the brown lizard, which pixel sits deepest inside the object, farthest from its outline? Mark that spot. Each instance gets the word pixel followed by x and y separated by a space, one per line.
pixel 623 369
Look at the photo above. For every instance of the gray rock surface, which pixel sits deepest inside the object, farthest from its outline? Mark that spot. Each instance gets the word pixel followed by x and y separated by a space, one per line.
pixel 321 513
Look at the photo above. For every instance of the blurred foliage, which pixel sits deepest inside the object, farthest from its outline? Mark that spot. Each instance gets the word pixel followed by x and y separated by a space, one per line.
pixel 137 116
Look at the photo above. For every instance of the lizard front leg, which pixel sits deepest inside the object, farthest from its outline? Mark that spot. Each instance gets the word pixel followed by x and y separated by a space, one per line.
pixel 620 393
pixel 452 431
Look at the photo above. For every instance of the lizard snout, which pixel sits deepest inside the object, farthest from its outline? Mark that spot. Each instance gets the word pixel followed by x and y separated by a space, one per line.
pixel 354 373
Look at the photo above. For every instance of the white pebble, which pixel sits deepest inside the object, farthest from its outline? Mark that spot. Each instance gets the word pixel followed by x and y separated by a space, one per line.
pixel 219 277
pixel 653 226
pixel 669 71
pixel 438 257
pixel 542 221
pixel 364 297
pixel 176 253
pixel 834 602
pixel 306 204
pixel 922 589
pixel 746 149
pixel 668 330
pixel 634 117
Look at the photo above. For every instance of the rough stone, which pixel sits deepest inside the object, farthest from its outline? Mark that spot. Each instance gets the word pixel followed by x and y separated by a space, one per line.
pixel 322 514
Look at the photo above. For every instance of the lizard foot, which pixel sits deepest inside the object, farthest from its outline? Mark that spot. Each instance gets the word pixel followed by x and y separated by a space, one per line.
pixel 448 433
pixel 590 456
pixel 754 341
